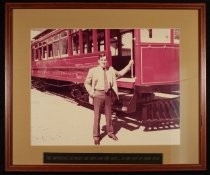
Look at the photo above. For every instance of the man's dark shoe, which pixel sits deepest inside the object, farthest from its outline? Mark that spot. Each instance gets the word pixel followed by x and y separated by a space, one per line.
pixel 113 136
pixel 97 142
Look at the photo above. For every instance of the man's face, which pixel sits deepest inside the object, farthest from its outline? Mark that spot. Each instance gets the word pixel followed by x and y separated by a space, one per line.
pixel 102 62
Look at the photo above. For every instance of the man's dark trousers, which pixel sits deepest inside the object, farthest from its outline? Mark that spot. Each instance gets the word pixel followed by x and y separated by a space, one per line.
pixel 102 100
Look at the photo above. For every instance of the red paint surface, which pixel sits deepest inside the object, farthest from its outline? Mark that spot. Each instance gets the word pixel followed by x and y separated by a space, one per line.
pixel 66 69
pixel 159 65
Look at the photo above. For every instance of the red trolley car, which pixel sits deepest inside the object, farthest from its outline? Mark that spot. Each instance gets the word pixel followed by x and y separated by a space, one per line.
pixel 62 57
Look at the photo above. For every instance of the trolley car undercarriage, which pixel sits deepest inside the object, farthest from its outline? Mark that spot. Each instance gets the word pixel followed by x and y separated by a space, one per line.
pixel 154 111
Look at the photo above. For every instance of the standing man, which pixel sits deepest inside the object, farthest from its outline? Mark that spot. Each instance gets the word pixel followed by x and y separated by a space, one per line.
pixel 98 83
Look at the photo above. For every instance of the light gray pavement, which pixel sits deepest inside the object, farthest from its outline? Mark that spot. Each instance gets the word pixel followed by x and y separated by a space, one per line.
pixel 57 121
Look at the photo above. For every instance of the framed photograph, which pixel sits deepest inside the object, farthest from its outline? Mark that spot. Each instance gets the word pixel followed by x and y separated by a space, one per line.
pixel 105 87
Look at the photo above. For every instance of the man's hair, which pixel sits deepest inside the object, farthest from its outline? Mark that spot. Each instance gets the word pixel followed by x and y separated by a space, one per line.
pixel 101 55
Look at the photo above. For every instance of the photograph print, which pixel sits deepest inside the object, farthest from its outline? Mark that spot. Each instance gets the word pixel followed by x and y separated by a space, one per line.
pixel 99 87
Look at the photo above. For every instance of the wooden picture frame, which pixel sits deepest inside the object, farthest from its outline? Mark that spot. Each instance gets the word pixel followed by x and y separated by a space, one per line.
pixel 15 91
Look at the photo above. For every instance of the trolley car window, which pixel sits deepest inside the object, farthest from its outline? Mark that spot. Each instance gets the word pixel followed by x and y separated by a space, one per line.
pixel 176 36
pixel 56 37
pixel 121 42
pixel 101 40
pixel 56 49
pixel 50 40
pixel 75 43
pixel 87 41
pixel 63 43
pixel 44 56
pixel 36 56
pixel 50 50
pixel 114 46
pixel 150 33
pixel 64 46
pixel 121 48
pixel 75 30
pixel 38 53
pixel 126 44
pixel 64 34
pixel 155 35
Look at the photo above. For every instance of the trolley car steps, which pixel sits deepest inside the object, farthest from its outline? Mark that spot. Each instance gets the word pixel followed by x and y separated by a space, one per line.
pixel 161 113
pixel 158 113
